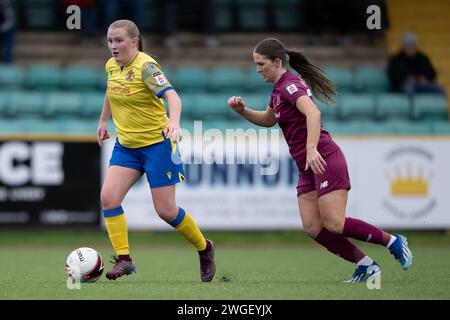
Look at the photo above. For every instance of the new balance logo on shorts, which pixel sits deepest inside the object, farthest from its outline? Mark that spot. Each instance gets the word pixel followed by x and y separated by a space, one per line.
pixel 324 184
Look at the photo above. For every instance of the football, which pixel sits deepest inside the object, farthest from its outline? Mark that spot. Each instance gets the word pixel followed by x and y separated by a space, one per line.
pixel 85 264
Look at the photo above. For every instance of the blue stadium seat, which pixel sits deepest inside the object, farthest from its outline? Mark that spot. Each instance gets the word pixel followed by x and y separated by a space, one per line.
pixel 356 106
pixel 430 107
pixel 211 107
pixel 190 79
pixel 393 106
pixel 4 102
pixel 410 127
pixel 44 77
pixel 224 79
pixel 371 80
pixel 342 127
pixel 11 77
pixel 328 112
pixel 80 78
pixel 341 76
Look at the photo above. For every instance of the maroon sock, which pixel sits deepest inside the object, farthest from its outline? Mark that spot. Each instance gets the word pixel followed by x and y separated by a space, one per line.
pixel 360 230
pixel 339 245
pixel 125 257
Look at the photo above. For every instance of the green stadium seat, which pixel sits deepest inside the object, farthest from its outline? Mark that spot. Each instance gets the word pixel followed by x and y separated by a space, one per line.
pixel 342 127
pixel 79 78
pixel 328 112
pixel 10 126
pixel 410 127
pixel 376 128
pixel 342 77
pixel 26 104
pixel 44 77
pixel 154 16
pixel 441 127
pixel 430 107
pixel 39 126
pixel 188 101
pixel 371 80
pixel 39 14
pixel 225 15
pixel 256 101
pixel 4 103
pixel 288 14
pixel 393 106
pixel 252 15
pixel 224 79
pixel 255 83
pixel 63 105
pixel 211 106
pixel 190 79
pixel 11 77
pixel 356 106
pixel 76 126
pixel 102 80
pixel 92 104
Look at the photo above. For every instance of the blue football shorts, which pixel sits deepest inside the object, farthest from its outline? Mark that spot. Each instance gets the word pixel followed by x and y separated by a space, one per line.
pixel 160 161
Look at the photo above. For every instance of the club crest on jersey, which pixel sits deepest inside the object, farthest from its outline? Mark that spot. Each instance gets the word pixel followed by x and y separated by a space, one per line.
pixel 292 88
pixel 130 76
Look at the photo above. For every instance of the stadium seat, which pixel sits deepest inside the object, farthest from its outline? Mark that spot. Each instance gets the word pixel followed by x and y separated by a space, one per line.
pixel 410 127
pixel 252 15
pixel 211 107
pixel 288 14
pixel 44 77
pixel 225 15
pixel 79 78
pixel 356 106
pixel 76 126
pixel 39 14
pixel 228 80
pixel 255 83
pixel 4 103
pixel 188 101
pixel 38 126
pixel 393 106
pixel 91 105
pixel 9 126
pixel 430 107
pixel 441 127
pixel 342 77
pixel 371 80
pixel 62 105
pixel 328 112
pixel 190 79
pixel 342 127
pixel 11 77
pixel 25 104
pixel 256 101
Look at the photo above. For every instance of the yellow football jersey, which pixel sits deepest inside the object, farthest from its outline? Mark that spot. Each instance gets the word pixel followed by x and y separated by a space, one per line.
pixel 134 92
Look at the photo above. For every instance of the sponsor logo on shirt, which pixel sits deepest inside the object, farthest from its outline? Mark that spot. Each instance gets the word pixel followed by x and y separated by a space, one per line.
pixel 159 78
pixel 292 88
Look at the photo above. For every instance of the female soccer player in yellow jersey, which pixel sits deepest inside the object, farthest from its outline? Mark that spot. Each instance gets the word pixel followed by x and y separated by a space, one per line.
pixel 146 142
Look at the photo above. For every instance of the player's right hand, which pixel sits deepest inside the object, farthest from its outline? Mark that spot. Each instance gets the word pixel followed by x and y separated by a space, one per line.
pixel 237 104
pixel 102 134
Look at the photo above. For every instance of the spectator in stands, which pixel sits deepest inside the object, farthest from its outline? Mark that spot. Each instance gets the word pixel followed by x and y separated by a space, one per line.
pixel 7 28
pixel 207 16
pixel 410 71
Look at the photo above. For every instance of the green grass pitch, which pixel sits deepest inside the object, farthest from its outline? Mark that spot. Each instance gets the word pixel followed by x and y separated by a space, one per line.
pixel 268 265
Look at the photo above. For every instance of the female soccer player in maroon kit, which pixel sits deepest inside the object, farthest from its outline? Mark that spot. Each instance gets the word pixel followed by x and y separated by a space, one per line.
pixel 324 182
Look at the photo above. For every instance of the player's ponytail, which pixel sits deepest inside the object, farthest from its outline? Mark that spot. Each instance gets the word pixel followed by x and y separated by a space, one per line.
pixel 323 88
pixel 140 43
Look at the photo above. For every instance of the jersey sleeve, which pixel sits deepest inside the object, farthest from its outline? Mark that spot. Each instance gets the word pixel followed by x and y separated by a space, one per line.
pixel 155 79
pixel 293 90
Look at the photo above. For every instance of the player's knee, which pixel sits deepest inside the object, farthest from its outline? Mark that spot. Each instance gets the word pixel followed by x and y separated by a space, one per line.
pixel 108 200
pixel 334 225
pixel 167 212
pixel 312 229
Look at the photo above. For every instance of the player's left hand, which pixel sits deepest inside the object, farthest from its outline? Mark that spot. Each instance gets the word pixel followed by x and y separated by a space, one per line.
pixel 315 161
pixel 173 132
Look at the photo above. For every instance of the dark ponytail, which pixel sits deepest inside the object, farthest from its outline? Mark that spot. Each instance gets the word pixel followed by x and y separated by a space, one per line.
pixel 323 88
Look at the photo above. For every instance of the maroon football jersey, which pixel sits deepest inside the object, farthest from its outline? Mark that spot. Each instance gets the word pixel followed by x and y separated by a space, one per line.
pixel 292 122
